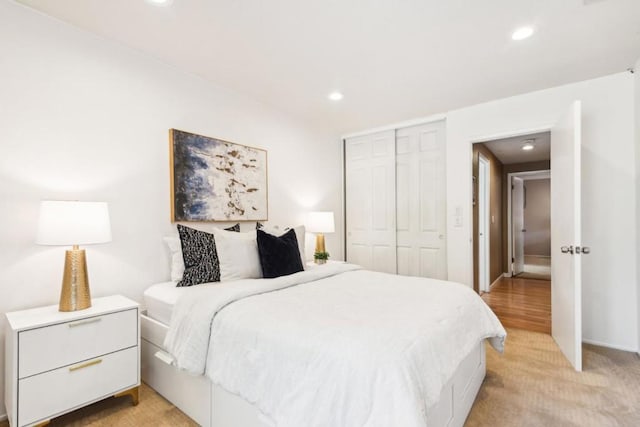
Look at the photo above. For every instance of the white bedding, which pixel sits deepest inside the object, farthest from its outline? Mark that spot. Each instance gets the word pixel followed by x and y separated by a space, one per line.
pixel 332 346
pixel 160 299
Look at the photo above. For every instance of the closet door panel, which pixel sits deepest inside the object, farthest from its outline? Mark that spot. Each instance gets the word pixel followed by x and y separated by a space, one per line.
pixel 428 262
pixel 403 200
pixel 404 260
pixel 420 165
pixel 428 193
pixel 370 201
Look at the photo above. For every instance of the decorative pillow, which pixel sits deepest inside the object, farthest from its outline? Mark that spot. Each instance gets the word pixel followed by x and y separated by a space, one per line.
pixel 200 257
pixel 175 248
pixel 279 255
pixel 235 228
pixel 238 255
pixel 300 236
pixel 177 263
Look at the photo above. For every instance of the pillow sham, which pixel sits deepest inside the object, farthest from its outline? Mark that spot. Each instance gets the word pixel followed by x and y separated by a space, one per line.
pixel 279 255
pixel 175 250
pixel 238 255
pixel 201 264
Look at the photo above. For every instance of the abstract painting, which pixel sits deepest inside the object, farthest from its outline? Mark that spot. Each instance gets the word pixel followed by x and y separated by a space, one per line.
pixel 216 180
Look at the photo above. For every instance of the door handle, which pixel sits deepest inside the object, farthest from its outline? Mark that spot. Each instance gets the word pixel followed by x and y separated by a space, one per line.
pixel 566 249
pixel 584 250
pixel 524 230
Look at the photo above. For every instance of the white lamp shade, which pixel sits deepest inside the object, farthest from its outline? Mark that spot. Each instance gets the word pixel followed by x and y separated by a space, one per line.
pixel 73 223
pixel 320 222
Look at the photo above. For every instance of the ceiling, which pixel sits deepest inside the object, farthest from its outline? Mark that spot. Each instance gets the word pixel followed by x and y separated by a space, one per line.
pixel 509 150
pixel 393 59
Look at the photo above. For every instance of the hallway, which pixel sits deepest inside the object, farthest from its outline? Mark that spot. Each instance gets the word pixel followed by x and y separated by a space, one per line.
pixel 522 303
pixel 536 267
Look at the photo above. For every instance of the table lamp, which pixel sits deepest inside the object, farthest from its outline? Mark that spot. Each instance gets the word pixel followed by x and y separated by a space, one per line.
pixel 66 223
pixel 320 223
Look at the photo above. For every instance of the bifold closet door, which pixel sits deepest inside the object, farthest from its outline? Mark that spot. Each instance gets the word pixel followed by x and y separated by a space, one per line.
pixel 421 201
pixel 370 186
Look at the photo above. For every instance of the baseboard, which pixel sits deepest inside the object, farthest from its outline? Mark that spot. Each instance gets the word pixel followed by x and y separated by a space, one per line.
pixel 613 346
pixel 506 274
pixel 494 282
pixel 3 417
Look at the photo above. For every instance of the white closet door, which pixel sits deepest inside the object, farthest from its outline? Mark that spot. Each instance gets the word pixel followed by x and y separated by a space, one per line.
pixel 421 207
pixel 370 176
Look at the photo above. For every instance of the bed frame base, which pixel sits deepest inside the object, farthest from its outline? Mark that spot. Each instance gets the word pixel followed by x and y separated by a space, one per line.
pixel 211 406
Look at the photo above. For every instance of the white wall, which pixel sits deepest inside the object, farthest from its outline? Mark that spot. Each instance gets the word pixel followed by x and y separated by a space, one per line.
pixel 85 118
pixel 608 198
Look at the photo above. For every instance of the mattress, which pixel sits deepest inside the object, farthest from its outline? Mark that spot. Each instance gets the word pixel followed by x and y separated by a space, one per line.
pixel 160 299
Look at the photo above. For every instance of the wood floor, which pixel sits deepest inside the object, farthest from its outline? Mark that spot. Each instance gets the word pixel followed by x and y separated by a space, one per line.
pixel 522 303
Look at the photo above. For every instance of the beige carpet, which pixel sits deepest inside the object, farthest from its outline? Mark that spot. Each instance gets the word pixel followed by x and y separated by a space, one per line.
pixel 530 385
pixel 153 410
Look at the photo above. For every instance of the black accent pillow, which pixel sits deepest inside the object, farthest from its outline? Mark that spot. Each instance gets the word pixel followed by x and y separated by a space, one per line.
pixel 279 255
pixel 235 228
pixel 201 264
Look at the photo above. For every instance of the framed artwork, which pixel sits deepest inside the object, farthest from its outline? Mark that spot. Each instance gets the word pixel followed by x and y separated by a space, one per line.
pixel 216 180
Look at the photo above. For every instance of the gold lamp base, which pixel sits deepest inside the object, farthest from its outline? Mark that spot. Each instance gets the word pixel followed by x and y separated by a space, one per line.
pixel 320 247
pixel 75 294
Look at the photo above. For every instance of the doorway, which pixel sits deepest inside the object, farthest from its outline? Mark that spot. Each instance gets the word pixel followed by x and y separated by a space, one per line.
pixel 506 172
pixel 529 224
pixel 565 299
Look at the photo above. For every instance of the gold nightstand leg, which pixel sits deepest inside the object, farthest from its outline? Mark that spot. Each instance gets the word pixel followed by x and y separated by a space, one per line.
pixel 44 423
pixel 133 392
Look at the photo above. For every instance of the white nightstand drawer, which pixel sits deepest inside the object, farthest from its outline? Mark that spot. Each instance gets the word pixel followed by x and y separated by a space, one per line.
pixel 42 396
pixel 51 347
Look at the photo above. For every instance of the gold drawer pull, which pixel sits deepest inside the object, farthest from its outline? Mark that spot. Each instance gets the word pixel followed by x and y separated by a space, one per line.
pixel 85 322
pixel 85 365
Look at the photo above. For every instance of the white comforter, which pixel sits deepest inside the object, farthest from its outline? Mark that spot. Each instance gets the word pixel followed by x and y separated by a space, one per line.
pixel 332 346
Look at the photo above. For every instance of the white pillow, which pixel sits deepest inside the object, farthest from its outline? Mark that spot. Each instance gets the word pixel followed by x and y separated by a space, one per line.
pixel 177 262
pixel 238 255
pixel 300 236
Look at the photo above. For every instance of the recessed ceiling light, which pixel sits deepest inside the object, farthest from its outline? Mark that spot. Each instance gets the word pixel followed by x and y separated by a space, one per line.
pixel 160 2
pixel 522 33
pixel 528 145
pixel 336 96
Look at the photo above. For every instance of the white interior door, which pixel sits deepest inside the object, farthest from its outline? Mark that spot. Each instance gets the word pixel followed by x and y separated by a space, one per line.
pixel 484 280
pixel 420 201
pixel 566 281
pixel 517 224
pixel 370 183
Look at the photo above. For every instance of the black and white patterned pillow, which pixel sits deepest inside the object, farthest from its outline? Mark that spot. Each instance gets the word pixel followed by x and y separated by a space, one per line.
pixel 200 257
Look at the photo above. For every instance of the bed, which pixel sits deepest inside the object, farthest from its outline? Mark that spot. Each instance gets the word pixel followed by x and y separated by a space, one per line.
pixel 334 345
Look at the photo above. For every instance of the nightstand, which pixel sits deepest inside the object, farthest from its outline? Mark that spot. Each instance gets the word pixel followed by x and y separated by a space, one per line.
pixel 312 264
pixel 56 362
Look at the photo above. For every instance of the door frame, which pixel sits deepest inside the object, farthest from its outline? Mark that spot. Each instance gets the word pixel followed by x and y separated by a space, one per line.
pixel 510 218
pixel 487 138
pixel 484 204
